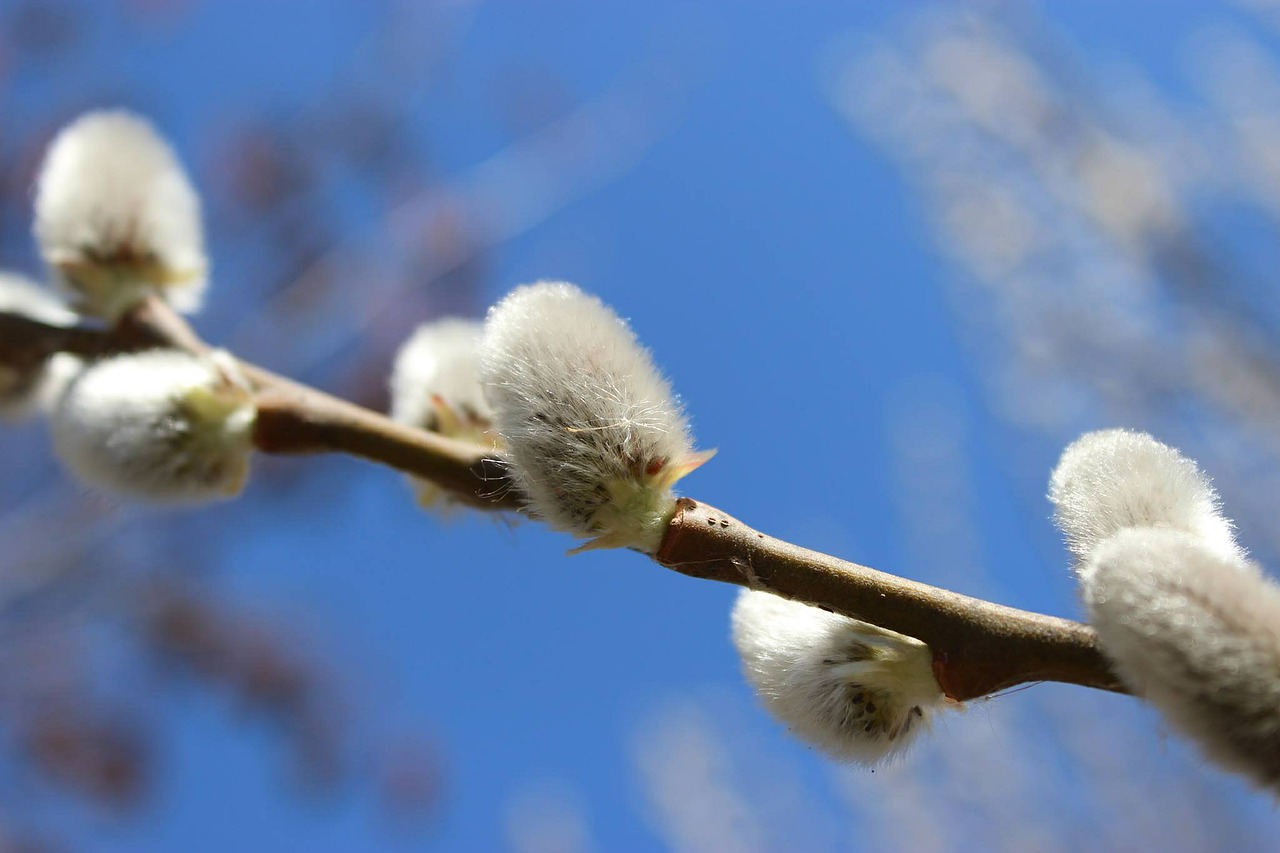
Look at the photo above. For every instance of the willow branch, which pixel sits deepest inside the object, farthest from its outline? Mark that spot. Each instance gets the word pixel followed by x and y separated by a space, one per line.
pixel 979 647
pixel 295 419
pixel 292 418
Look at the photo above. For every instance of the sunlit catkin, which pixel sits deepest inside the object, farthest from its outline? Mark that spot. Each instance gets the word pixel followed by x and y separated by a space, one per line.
pixel 856 691
pixel 595 437
pixel 1114 479
pixel 1196 632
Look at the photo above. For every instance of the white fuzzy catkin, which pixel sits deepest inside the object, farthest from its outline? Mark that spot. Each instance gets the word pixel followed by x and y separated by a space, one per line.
pixel 856 691
pixel 117 218
pixel 594 434
pixel 1113 479
pixel 1196 633
pixel 24 390
pixel 435 385
pixel 160 425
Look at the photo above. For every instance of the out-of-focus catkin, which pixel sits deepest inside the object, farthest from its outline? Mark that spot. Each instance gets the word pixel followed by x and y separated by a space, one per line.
pixel 117 218
pixel 435 385
pixel 159 425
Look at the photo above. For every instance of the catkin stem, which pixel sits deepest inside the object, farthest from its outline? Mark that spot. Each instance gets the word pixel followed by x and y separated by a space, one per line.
pixel 979 647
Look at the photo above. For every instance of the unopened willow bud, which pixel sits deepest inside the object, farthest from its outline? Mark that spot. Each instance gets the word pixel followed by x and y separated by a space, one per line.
pixel 1196 632
pixel 854 690
pixel 160 425
pixel 1114 479
pixel 117 218
pixel 594 434
pixel 435 385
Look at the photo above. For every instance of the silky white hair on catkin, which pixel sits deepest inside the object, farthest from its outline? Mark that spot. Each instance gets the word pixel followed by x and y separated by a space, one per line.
pixel 160 425
pixel 435 385
pixel 594 435
pixel 27 389
pixel 1196 632
pixel 116 216
pixel 1113 479
pixel 856 691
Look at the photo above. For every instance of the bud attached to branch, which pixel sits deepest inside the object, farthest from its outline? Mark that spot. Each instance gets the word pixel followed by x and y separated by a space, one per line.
pixel 1190 624
pixel 116 217
pixel 1114 479
pixel 856 691
pixel 160 425
pixel 435 385
pixel 595 437
pixel 1196 632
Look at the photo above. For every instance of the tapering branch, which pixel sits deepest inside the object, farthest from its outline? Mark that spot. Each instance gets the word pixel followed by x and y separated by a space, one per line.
pixel 979 647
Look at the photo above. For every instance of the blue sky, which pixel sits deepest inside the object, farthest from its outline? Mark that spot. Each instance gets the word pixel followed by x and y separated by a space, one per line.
pixel 785 274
